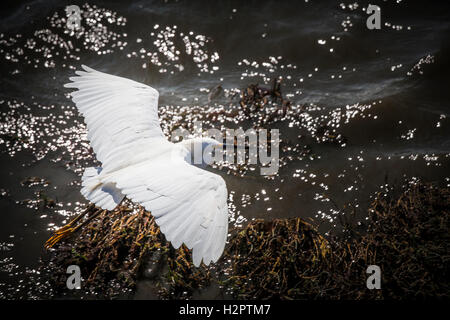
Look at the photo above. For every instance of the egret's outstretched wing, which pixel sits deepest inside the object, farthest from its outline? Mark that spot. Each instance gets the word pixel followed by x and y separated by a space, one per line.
pixel 121 115
pixel 189 204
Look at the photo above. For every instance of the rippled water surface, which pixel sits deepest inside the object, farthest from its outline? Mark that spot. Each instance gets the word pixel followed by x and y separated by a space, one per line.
pixel 367 107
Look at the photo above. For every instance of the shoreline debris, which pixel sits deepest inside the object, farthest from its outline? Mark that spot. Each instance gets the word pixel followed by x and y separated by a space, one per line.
pixel 407 235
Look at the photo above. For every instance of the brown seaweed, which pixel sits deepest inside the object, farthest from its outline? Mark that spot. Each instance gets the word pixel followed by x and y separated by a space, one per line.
pixel 406 235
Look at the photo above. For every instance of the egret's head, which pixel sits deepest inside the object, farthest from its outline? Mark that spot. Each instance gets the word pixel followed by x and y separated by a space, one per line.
pixel 210 142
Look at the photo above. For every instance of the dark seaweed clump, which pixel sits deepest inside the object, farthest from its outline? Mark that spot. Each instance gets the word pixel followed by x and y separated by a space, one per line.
pixel 114 249
pixel 406 235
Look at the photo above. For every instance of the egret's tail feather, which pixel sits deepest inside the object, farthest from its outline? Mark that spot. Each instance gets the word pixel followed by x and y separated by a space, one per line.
pixel 105 196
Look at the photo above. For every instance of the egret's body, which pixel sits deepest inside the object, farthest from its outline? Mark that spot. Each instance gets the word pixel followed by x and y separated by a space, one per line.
pixel 189 204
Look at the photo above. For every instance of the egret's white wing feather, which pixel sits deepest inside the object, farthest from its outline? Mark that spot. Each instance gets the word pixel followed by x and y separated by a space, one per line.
pixel 121 116
pixel 106 196
pixel 189 204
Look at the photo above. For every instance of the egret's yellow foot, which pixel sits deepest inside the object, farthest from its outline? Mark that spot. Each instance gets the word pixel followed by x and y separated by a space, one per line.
pixel 59 235
pixel 66 230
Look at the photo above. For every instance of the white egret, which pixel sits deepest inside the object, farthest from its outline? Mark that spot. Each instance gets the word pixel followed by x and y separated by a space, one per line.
pixel 138 162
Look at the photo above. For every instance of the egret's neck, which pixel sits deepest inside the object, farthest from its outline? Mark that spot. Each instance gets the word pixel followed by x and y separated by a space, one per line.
pixel 190 144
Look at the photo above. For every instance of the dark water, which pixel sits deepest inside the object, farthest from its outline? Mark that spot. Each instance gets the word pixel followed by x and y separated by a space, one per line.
pixel 386 92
